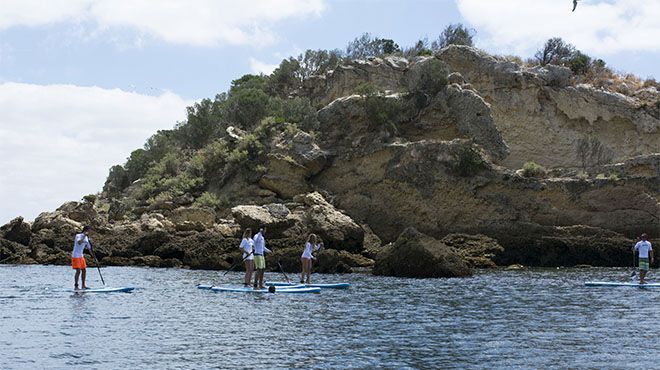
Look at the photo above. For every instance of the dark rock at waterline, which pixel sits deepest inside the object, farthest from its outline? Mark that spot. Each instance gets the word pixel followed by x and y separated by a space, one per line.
pixel 327 261
pixel 12 252
pixel 17 230
pixel 564 246
pixel 148 243
pixel 417 255
pixel 478 251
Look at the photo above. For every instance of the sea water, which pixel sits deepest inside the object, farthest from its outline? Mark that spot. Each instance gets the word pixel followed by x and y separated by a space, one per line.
pixel 540 318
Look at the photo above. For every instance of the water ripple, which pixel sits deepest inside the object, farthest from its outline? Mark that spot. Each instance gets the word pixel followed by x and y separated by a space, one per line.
pixel 496 319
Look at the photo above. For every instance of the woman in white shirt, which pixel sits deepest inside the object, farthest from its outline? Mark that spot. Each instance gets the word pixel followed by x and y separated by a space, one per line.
pixel 307 257
pixel 248 256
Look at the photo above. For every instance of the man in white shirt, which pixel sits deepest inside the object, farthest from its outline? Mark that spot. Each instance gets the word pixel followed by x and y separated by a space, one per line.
pixel 259 260
pixel 645 250
pixel 78 263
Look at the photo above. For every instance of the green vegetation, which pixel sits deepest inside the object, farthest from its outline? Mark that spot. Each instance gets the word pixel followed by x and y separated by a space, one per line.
pixel 467 162
pixel 610 176
pixel 532 169
pixel 199 152
pixel 208 200
pixel 90 198
pixel 454 34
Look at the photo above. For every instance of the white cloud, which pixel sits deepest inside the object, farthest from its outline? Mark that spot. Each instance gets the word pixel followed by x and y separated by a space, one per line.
pixel 57 142
pixel 193 22
pixel 599 27
pixel 258 66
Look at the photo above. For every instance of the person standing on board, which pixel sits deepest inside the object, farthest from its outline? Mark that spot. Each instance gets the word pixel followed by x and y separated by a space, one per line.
pixel 248 256
pixel 259 260
pixel 645 250
pixel 307 257
pixel 77 258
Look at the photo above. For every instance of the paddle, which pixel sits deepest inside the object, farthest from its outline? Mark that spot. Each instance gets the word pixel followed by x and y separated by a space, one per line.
pixel 98 265
pixel 632 274
pixel 236 264
pixel 283 273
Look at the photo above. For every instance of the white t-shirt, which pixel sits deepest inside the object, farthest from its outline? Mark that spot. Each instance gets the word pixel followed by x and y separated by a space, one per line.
pixel 246 246
pixel 643 247
pixel 307 253
pixel 260 245
pixel 78 248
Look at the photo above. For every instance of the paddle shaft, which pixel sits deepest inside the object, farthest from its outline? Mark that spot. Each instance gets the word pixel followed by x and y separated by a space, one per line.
pixel 283 273
pixel 236 264
pixel 98 265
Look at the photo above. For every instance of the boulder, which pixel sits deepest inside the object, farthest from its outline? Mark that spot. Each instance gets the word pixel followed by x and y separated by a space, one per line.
pixel 337 230
pixel 276 218
pixel 17 230
pixel 56 221
pixel 82 212
pixel 193 218
pixel 417 255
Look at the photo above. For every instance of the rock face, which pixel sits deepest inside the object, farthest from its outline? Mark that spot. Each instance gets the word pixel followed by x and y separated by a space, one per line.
pixel 17 231
pixel 417 255
pixel 443 160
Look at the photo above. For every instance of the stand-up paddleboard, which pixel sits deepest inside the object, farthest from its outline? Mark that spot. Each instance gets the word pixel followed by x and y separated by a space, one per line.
pixel 204 286
pixel 104 290
pixel 251 290
pixel 322 286
pixel 618 284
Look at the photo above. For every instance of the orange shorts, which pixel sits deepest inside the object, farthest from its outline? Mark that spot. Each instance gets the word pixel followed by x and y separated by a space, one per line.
pixel 78 263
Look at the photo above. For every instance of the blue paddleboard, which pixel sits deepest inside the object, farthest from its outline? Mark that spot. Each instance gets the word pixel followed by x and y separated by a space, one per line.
pixel 251 290
pixel 104 290
pixel 322 286
pixel 618 284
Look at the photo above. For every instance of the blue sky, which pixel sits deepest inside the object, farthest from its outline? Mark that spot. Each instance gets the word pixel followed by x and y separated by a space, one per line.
pixel 84 82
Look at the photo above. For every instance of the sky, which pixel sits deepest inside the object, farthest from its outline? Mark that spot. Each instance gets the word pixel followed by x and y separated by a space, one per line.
pixel 85 82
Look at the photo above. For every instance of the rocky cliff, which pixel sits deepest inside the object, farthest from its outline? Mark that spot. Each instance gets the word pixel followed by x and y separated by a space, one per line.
pixel 389 151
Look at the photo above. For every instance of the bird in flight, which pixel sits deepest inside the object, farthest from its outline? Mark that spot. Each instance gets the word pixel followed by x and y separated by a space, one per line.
pixel 575 4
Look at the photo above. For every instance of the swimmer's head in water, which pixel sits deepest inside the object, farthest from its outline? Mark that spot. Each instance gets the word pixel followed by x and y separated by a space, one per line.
pixel 271 289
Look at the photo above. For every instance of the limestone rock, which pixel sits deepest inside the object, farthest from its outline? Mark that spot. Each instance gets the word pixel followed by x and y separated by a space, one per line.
pixel 193 218
pixel 17 230
pixel 56 221
pixel 417 255
pixel 276 219
pixel 478 251
pixel 336 229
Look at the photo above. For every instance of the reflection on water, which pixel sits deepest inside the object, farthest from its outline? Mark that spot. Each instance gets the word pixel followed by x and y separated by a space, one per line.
pixel 497 319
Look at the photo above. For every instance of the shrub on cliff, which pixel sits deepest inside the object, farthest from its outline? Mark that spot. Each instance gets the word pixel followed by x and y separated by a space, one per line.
pixel 367 46
pixel 467 162
pixel 208 200
pixel 116 182
pixel 532 169
pixel 590 151
pixel 454 34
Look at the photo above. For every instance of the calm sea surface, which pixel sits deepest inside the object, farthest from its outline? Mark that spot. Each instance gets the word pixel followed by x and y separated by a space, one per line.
pixel 497 319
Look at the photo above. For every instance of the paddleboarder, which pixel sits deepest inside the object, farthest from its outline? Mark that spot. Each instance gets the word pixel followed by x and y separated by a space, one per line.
pixel 259 260
pixel 247 245
pixel 78 263
pixel 645 252
pixel 307 257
